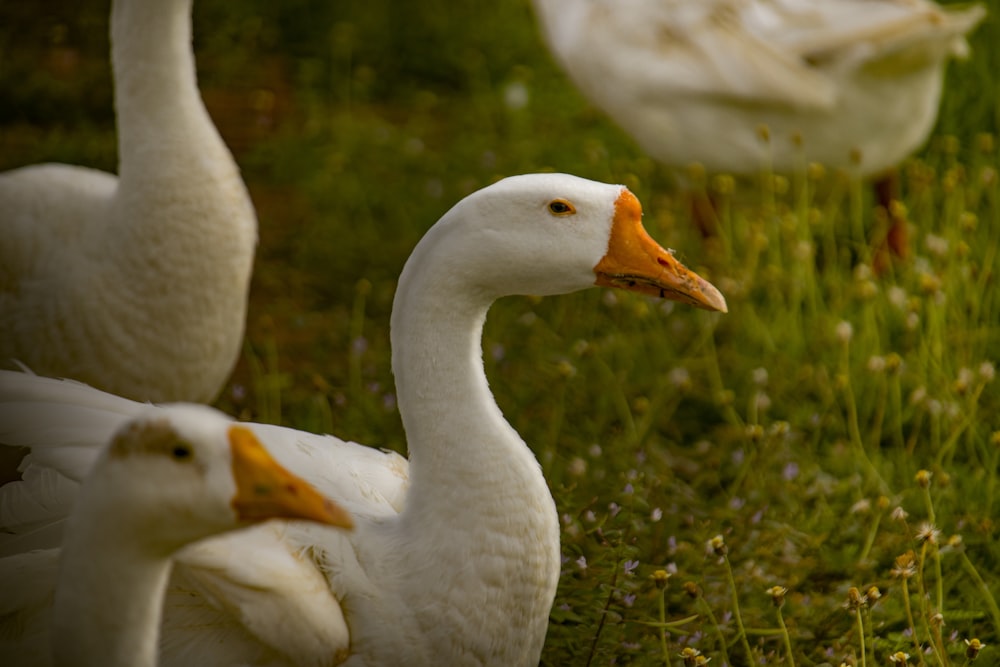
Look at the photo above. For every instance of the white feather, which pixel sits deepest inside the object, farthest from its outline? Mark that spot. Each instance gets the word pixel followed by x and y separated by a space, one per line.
pixel 852 84
pixel 455 555
pixel 135 283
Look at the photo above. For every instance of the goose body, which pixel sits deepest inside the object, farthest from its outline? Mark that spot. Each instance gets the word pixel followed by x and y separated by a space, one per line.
pixel 455 554
pixel 166 480
pixel 852 84
pixel 135 283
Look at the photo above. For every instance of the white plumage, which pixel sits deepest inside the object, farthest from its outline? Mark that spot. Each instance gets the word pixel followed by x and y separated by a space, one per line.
pixel 852 84
pixel 135 283
pixel 455 556
pixel 167 479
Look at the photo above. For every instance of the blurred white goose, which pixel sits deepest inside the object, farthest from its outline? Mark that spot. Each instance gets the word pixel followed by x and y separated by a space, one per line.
pixel 169 478
pixel 455 556
pixel 852 84
pixel 137 283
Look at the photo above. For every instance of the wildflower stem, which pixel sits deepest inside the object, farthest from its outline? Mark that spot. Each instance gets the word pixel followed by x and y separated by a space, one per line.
pixel 856 203
pixel 267 379
pixel 855 430
pixel 991 481
pixel 662 405
pixel 991 603
pixel 929 504
pixel 861 635
pixel 736 610
pixel 604 615
pixel 788 639
pixel 618 399
pixel 939 582
pixel 909 621
pixel 933 635
pixel 897 409
pixel 870 539
pixel 663 627
pixel 971 416
pixel 718 630
pixel 715 377
pixel 869 638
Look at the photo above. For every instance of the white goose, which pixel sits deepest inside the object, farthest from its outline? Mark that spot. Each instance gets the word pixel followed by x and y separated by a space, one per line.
pixel 852 84
pixel 137 283
pixel 167 479
pixel 455 556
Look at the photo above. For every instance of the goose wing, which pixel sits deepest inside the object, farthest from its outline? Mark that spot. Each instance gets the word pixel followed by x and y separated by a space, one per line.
pixel 253 596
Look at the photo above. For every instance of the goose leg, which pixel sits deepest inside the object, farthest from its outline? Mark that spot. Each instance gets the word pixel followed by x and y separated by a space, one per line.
pixel 704 213
pixel 896 243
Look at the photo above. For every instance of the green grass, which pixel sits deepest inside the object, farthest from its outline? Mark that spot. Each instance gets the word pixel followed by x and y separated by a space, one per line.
pixel 792 430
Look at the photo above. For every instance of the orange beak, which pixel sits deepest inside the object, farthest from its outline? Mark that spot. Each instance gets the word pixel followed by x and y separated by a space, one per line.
pixel 265 490
pixel 635 262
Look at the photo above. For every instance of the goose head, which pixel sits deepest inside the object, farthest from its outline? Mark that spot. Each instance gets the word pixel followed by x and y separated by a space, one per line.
pixel 543 234
pixel 185 472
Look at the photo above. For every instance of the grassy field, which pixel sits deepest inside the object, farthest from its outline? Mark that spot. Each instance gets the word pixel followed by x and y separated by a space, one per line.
pixel 836 431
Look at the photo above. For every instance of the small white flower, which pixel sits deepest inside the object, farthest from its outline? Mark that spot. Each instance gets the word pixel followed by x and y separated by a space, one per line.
pixel 897 296
pixel 987 371
pixel 844 331
pixel 927 532
pixel 515 95
pixel 965 378
pixel 936 245
pixel 680 378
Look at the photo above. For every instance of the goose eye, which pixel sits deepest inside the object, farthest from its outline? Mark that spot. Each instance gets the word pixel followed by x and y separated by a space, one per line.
pixel 181 452
pixel 561 207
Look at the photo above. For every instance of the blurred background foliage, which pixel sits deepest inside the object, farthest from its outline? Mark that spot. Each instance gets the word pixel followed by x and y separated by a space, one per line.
pixel 357 124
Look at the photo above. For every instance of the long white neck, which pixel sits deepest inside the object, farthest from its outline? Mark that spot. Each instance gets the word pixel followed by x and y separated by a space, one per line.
pixel 160 113
pixel 177 237
pixel 109 596
pixel 477 493
pixel 453 426
pixel 180 190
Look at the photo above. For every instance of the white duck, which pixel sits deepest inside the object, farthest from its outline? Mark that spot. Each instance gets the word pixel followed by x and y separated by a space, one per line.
pixel 852 84
pixel 455 556
pixel 137 283
pixel 167 479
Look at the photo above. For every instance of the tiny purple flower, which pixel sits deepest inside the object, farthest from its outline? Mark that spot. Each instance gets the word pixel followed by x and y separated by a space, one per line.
pixel 359 345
